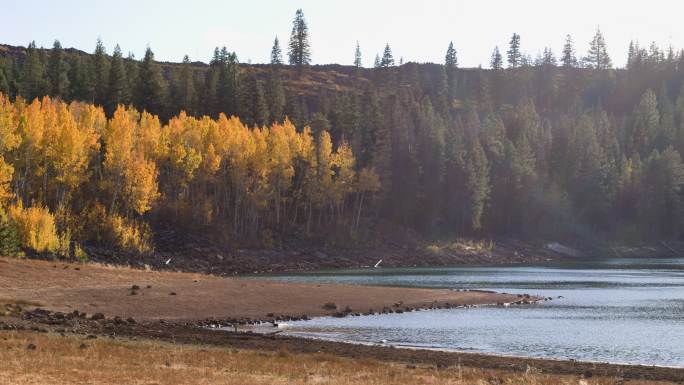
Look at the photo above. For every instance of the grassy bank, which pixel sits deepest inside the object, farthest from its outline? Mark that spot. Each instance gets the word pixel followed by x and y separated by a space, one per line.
pixel 32 358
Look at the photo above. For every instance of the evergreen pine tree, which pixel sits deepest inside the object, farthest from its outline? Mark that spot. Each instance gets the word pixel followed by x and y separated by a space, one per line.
pixel 496 62
pixel 186 88
pixel 276 53
pixel 34 83
pixel 80 79
pixel 117 92
pixel 387 58
pixel 100 73
pixel 9 237
pixel 548 58
pixel 597 57
pixel 299 48
pixel 58 72
pixel 227 86
pixel 4 84
pixel 150 86
pixel 476 182
pixel 357 56
pixel 275 96
pixel 132 70
pixel 253 109
pixel 376 62
pixel 514 55
pixel 450 60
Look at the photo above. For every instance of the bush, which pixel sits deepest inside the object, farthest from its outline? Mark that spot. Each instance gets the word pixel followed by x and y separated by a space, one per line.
pixel 36 228
pixel 79 253
pixel 128 234
pixel 116 231
pixel 10 244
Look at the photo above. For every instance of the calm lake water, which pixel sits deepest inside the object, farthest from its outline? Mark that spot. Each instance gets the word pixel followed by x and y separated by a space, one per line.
pixel 620 311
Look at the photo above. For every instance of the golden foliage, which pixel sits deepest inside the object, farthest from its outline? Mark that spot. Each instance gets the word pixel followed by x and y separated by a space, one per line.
pixel 210 171
pixel 36 227
pixel 128 235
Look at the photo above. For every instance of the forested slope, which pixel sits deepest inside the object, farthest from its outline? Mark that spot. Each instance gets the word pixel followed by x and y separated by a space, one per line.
pixel 544 149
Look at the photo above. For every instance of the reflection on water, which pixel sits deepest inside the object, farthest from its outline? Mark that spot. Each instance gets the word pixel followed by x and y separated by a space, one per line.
pixel 613 311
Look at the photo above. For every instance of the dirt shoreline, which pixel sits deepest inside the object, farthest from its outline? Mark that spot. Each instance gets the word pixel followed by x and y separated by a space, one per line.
pixel 95 300
pixel 152 295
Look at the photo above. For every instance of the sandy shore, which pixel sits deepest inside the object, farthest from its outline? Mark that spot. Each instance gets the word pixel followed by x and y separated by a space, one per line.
pixel 93 288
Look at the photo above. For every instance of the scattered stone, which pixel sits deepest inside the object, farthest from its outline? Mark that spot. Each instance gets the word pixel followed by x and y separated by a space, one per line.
pixel 172 293
pixel 30 347
pixel 135 287
pixel 97 317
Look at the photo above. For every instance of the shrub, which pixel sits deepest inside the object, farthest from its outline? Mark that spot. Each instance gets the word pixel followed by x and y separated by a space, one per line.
pixel 79 253
pixel 10 244
pixel 36 228
pixel 433 249
pixel 115 230
pixel 128 234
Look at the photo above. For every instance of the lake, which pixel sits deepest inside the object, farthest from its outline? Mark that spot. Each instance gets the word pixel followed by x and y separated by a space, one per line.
pixel 616 310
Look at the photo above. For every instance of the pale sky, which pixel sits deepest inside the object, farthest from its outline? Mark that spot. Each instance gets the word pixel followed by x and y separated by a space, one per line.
pixel 416 30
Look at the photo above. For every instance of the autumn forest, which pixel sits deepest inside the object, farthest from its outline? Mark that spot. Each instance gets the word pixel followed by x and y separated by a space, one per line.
pixel 102 149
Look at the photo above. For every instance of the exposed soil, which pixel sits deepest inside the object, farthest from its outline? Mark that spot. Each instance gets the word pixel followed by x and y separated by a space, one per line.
pixel 105 294
pixel 153 295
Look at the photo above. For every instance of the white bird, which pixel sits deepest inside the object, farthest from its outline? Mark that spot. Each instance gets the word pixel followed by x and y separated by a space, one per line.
pixel 167 261
pixel 378 264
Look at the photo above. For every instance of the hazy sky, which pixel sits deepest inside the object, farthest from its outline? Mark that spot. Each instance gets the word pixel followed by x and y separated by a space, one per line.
pixel 416 30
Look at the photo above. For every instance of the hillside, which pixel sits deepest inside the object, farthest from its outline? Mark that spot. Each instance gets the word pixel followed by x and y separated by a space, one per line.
pixel 389 157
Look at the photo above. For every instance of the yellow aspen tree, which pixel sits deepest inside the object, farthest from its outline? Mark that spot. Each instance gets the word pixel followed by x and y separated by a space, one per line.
pixel 140 184
pixel 6 173
pixel 69 148
pixel 324 171
pixel 92 122
pixel 9 140
pixel 259 189
pixel 238 147
pixel 304 163
pixel 280 166
pixel 119 139
pixel 344 176
pixel 183 154
pixel 148 141
pixel 30 162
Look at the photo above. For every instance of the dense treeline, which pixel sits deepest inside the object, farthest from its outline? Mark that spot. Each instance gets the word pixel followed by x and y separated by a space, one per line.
pixel 69 173
pixel 545 147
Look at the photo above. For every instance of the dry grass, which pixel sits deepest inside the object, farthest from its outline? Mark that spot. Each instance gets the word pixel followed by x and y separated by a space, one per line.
pixel 63 360
pixel 462 245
